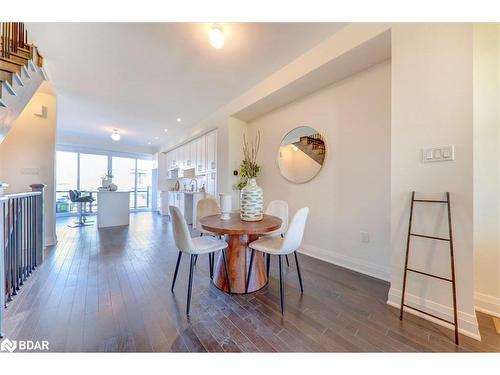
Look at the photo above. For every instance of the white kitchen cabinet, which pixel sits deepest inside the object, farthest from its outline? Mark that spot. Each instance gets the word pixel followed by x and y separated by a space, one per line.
pixel 181 156
pixel 211 152
pixel 212 183
pixel 173 158
pixel 169 159
pixel 201 155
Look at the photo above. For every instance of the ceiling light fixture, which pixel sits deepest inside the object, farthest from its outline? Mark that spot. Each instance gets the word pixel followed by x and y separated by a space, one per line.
pixel 217 36
pixel 179 119
pixel 157 138
pixel 295 148
pixel 165 130
pixel 115 136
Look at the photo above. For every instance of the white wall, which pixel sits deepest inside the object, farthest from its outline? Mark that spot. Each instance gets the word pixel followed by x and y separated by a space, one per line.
pixel 487 168
pixel 432 105
pixel 351 193
pixel 30 145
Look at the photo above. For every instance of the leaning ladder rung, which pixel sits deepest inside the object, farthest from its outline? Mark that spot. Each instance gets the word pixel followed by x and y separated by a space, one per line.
pixel 426 313
pixel 428 201
pixel 431 275
pixel 431 237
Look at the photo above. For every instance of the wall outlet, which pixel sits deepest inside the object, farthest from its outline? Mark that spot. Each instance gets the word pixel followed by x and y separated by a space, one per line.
pixel 365 237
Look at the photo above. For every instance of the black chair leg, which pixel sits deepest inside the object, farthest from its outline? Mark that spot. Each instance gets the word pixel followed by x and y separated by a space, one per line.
pixel 249 270
pixel 176 270
pixel 287 263
pixel 211 265
pixel 195 259
pixel 281 286
pixel 190 284
pixel 227 273
pixel 298 272
pixel 268 264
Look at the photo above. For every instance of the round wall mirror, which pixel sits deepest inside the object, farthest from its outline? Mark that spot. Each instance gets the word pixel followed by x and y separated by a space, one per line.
pixel 301 154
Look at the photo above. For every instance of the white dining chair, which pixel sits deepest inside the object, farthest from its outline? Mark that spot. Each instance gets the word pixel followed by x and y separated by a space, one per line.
pixel 281 246
pixel 193 246
pixel 207 207
pixel 279 209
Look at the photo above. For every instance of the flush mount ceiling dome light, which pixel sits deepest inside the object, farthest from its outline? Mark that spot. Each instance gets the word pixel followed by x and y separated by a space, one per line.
pixel 217 36
pixel 115 136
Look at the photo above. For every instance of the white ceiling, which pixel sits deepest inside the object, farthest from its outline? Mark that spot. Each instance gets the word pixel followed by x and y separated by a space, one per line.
pixel 139 77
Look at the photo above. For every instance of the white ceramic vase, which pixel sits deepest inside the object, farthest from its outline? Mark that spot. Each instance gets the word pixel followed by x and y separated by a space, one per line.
pixel 106 182
pixel 251 201
pixel 225 206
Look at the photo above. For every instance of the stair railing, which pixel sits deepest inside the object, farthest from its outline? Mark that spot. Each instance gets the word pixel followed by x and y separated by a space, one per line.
pixel 21 241
pixel 13 37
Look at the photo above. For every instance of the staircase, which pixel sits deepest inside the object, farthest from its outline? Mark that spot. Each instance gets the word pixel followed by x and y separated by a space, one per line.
pixel 21 73
pixel 313 146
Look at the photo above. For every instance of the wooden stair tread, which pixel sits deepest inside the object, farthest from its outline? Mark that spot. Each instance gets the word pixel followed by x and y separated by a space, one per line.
pixel 10 61
pixel 20 56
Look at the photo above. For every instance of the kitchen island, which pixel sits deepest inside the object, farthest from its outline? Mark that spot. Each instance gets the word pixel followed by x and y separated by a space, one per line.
pixel 113 208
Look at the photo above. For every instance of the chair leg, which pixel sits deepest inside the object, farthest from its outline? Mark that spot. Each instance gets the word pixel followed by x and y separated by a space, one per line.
pixel 268 264
pixel 190 284
pixel 281 286
pixel 298 272
pixel 249 270
pixel 210 265
pixel 227 273
pixel 195 259
pixel 176 270
pixel 287 262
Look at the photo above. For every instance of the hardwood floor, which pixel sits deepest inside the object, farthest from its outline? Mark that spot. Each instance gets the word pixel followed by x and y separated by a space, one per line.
pixel 109 290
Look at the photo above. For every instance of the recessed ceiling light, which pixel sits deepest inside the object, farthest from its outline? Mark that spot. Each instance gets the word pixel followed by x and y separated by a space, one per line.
pixel 295 148
pixel 157 138
pixel 149 142
pixel 115 136
pixel 217 36
pixel 179 119
pixel 165 130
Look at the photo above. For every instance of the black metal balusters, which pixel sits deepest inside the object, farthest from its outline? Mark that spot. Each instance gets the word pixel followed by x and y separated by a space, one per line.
pixel 21 223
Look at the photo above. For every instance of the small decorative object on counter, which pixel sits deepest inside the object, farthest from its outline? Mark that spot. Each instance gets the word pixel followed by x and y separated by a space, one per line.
pixel 225 205
pixel 202 189
pixel 3 186
pixel 251 195
pixel 113 187
pixel 107 179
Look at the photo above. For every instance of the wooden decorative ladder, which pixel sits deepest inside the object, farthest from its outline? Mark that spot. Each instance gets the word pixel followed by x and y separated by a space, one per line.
pixel 452 262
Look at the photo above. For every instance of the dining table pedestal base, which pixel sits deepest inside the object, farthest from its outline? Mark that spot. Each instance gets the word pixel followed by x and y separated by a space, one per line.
pixel 238 260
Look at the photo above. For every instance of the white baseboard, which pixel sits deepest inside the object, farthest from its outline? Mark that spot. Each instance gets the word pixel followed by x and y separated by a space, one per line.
pixel 50 241
pixel 467 323
pixel 487 304
pixel 348 262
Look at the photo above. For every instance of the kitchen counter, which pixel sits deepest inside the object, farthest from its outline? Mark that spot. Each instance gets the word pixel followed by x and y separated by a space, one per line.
pixel 185 201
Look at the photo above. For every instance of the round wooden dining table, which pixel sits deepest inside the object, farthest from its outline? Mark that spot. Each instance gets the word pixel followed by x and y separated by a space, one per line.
pixel 239 234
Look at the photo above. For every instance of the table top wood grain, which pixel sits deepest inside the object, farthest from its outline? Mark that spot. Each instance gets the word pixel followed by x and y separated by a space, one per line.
pixel 236 226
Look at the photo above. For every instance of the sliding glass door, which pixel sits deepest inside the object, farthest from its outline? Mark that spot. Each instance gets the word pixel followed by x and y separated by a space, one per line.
pixel 124 176
pixel 83 171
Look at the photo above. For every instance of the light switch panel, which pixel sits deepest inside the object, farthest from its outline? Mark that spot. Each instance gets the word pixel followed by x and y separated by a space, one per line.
pixel 438 153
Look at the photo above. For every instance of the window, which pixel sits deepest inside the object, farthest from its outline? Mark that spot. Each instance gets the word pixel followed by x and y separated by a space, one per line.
pixel 66 179
pixel 83 171
pixel 92 169
pixel 144 183
pixel 124 176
